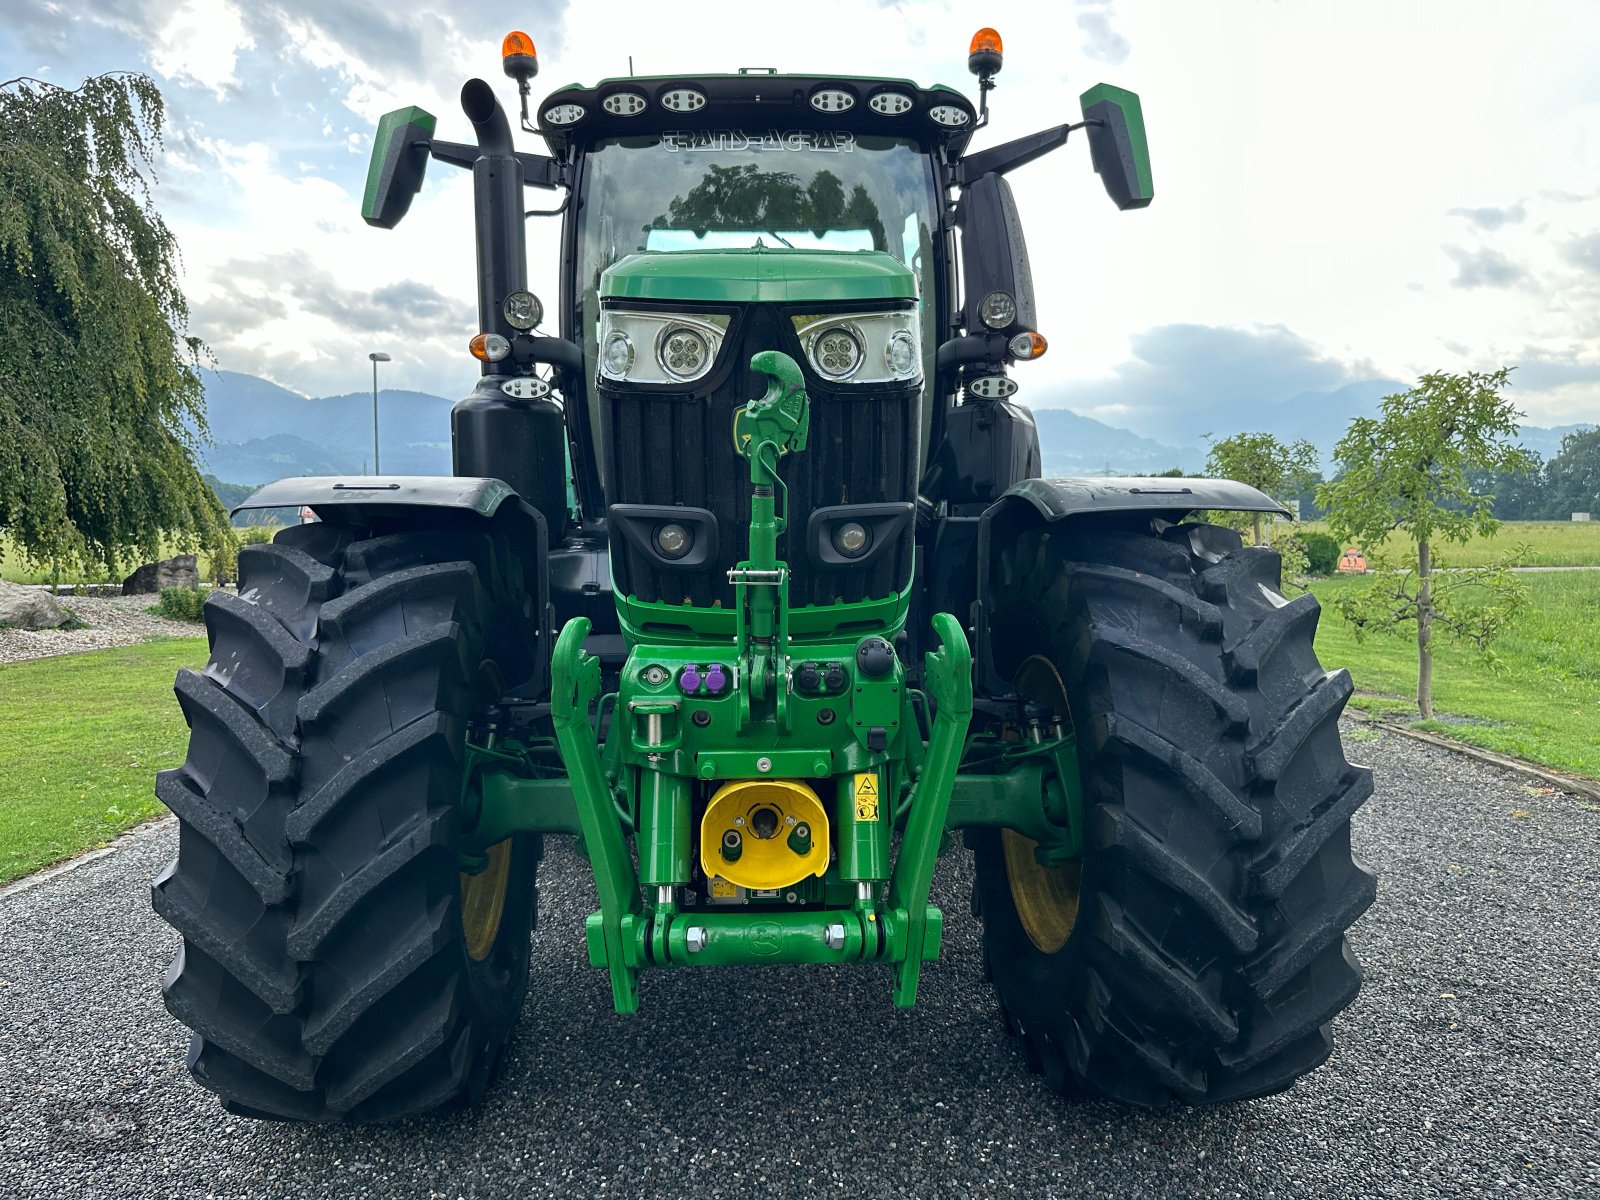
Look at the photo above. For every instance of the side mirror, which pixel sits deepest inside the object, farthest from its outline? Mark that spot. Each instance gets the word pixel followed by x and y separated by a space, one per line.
pixel 994 259
pixel 399 160
pixel 1117 144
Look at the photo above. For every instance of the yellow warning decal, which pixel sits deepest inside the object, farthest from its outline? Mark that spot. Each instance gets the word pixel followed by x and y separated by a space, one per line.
pixel 722 889
pixel 866 794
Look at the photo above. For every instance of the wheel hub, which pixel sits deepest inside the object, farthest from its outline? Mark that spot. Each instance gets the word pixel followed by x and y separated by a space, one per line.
pixel 1046 898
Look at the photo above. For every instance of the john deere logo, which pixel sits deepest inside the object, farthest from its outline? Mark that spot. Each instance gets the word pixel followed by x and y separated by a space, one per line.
pixel 766 938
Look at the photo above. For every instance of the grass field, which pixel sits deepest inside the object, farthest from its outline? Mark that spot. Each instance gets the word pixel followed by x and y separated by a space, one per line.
pixel 1542 705
pixel 81 738
pixel 1549 544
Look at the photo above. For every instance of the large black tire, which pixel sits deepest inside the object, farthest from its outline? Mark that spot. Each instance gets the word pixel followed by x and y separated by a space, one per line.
pixel 1207 956
pixel 328 970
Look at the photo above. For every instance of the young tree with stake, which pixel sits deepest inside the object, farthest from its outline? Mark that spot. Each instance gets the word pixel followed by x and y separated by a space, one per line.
pixel 1408 470
pixel 1262 461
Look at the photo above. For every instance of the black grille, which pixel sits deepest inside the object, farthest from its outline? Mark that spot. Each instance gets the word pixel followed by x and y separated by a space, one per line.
pixel 676 448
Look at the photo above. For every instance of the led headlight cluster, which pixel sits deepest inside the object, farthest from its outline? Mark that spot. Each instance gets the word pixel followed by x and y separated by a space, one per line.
pixel 661 348
pixel 862 347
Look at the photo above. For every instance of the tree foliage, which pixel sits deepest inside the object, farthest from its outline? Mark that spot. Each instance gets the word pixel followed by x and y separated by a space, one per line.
pixel 1277 468
pixel 1552 491
pixel 748 198
pixel 1572 478
pixel 1412 469
pixel 1281 470
pixel 96 381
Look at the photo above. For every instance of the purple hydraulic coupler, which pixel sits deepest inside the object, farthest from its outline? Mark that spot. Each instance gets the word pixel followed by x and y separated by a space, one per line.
pixel 716 679
pixel 689 681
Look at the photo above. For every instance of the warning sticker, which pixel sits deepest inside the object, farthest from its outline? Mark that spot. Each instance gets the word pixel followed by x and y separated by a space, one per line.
pixel 866 793
pixel 721 889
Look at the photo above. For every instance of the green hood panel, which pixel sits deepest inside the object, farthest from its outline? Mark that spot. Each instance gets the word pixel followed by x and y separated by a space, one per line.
pixel 758 275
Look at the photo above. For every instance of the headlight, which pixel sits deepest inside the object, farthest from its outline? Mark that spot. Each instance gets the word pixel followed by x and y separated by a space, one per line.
pixel 681 347
pixel 836 352
pixel 522 310
pixel 861 348
pixel 617 356
pixel 851 539
pixel 900 356
pixel 998 310
pixel 674 540
pixel 684 353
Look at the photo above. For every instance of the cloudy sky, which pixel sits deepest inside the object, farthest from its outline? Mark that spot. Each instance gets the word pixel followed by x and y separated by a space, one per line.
pixel 1343 190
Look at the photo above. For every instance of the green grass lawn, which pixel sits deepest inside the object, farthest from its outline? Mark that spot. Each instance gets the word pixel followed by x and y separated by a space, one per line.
pixel 81 738
pixel 1549 544
pixel 1542 705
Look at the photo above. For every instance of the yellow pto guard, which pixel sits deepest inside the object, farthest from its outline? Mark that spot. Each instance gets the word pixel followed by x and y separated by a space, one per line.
pixel 764 834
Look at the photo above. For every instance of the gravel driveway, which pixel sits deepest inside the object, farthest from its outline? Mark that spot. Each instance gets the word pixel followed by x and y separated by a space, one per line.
pixel 1470 1064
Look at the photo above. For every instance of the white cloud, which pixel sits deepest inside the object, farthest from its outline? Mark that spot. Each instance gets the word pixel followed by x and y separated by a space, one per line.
pixel 1311 161
pixel 200 43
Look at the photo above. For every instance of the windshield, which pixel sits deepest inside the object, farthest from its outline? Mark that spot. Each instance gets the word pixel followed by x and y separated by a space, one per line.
pixel 726 189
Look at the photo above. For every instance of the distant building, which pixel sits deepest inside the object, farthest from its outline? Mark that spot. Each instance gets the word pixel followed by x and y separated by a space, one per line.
pixel 1580 516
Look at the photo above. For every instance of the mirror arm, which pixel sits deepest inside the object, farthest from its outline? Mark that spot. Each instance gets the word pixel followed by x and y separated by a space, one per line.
pixel 538 170
pixel 1013 154
pixel 454 153
pixel 541 171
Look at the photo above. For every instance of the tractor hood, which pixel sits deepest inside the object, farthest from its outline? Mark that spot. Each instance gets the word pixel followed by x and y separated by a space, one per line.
pixel 757 275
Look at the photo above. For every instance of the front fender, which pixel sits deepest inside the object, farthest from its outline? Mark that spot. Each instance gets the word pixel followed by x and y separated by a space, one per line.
pixel 343 494
pixel 391 503
pixel 1075 502
pixel 1057 498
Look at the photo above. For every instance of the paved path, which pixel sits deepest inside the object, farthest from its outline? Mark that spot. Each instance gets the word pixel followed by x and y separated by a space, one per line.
pixel 1470 1064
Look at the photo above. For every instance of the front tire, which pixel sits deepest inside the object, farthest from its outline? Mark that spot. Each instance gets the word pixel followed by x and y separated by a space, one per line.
pixel 1196 953
pixel 337 965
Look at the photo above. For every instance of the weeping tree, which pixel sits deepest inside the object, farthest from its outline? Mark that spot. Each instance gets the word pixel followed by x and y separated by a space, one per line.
pixel 100 394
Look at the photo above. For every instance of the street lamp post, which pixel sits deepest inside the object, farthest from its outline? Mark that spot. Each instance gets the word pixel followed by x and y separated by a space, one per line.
pixel 377 356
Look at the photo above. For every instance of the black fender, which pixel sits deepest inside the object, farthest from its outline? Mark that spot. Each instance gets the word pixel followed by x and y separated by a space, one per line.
pixel 1075 502
pixel 393 503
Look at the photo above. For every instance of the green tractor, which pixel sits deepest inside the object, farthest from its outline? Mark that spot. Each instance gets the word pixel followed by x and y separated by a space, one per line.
pixel 746 580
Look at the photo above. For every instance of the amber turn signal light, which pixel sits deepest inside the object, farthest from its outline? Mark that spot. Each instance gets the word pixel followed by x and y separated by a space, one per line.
pixel 1028 345
pixel 489 347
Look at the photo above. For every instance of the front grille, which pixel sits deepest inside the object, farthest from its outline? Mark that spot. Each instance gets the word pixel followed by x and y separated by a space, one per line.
pixel 677 449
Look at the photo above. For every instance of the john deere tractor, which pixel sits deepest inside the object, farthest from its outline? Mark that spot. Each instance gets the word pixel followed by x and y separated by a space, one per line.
pixel 747 580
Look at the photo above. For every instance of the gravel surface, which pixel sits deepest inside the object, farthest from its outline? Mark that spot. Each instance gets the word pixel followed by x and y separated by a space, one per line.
pixel 112 621
pixel 1470 1064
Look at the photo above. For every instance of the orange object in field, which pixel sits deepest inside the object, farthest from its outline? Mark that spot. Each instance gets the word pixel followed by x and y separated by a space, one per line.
pixel 1353 562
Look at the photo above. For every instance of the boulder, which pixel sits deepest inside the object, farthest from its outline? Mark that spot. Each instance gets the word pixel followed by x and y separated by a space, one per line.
pixel 29 608
pixel 177 571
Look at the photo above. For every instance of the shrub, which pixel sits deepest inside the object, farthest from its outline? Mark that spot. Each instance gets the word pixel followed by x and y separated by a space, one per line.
pixel 1322 552
pixel 225 561
pixel 180 603
pixel 255 535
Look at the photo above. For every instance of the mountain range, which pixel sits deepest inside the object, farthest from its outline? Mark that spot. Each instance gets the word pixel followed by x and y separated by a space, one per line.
pixel 261 432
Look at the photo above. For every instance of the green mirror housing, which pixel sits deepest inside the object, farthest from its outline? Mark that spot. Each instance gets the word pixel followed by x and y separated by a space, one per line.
pixel 1117 144
pixel 399 160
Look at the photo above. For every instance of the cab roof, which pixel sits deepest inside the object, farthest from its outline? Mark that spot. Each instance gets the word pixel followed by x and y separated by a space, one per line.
pixel 576 115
